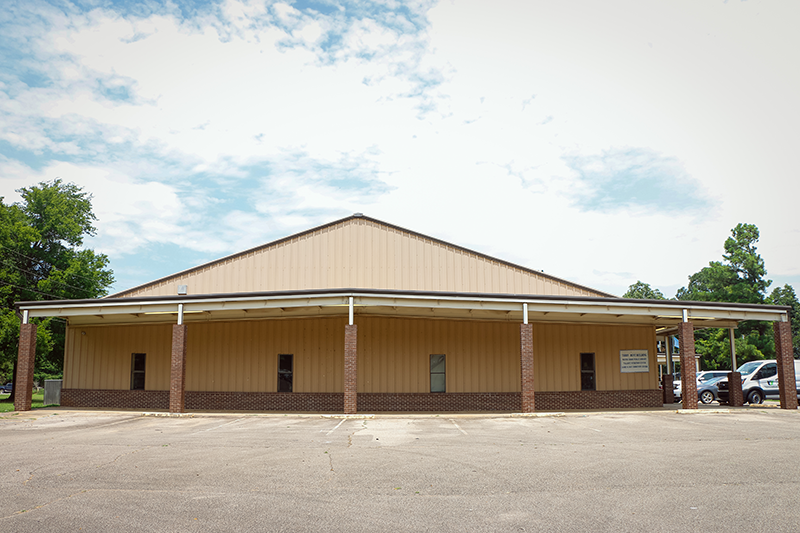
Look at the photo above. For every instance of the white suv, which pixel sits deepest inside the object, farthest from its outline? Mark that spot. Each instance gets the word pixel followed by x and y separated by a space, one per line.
pixel 759 381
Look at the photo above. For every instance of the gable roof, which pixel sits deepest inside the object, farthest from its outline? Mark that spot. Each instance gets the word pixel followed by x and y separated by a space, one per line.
pixel 360 252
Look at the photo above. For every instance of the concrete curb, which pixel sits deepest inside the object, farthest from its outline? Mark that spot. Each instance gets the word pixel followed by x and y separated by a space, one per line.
pixel 348 417
pixel 47 411
pixel 702 411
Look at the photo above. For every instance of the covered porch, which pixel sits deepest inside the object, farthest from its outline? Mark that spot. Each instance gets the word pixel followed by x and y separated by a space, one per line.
pixel 506 352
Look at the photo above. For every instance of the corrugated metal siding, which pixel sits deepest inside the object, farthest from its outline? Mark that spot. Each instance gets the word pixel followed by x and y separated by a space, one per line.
pixel 243 356
pixel 361 254
pixel 393 355
pixel 101 359
pixel 221 356
pixel 557 349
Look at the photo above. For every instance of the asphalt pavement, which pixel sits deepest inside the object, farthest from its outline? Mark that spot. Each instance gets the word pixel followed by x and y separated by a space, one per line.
pixel 710 470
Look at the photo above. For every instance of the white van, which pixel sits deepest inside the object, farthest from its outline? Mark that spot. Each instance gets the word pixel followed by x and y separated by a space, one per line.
pixel 759 381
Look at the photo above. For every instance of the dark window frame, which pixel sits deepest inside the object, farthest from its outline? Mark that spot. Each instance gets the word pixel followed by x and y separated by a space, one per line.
pixel 588 372
pixel 138 371
pixel 442 373
pixel 285 376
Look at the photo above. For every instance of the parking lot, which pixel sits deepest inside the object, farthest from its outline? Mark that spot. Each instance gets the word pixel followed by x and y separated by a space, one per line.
pixel 714 470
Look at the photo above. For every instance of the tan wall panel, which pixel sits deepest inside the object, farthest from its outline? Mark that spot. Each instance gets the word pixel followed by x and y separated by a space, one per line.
pixel 243 356
pixel 557 349
pixel 101 359
pixel 221 356
pixel 361 254
pixel 394 354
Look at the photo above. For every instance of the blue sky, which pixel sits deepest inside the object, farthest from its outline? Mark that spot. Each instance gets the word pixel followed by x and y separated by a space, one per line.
pixel 602 142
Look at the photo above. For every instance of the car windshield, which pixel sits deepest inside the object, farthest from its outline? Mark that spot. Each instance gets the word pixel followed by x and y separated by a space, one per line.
pixel 748 368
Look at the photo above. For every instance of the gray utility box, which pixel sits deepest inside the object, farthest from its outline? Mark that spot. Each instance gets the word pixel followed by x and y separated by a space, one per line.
pixel 52 391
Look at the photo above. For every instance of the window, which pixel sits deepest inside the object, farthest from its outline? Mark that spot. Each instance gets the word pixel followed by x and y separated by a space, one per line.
pixel 748 368
pixel 438 381
pixel 137 371
pixel 285 372
pixel 587 371
pixel 767 371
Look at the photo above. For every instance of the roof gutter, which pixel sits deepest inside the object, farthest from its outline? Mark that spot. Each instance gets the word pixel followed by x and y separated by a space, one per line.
pixel 658 311
pixel 394 294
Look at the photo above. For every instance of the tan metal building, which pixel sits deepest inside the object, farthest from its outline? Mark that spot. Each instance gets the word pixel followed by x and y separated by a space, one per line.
pixel 360 315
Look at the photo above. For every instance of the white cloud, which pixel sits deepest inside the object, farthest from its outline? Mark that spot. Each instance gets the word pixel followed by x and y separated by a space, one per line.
pixel 240 98
pixel 459 130
pixel 127 212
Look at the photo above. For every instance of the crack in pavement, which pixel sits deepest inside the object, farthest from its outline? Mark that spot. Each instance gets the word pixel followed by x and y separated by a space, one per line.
pixel 33 472
pixel 44 504
pixel 84 491
pixel 123 455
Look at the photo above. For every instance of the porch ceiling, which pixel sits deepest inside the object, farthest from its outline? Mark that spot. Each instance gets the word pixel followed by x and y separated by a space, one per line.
pixel 299 304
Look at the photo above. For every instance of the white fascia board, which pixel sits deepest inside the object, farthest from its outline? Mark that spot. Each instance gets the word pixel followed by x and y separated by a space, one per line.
pixel 194 305
pixel 568 306
pixel 489 303
pixel 265 303
pixel 88 310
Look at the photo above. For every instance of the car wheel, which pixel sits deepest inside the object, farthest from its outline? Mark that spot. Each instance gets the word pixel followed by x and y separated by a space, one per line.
pixel 755 397
pixel 706 396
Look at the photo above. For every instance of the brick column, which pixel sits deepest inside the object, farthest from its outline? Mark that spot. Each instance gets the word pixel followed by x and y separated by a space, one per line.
pixel 350 369
pixel 779 358
pixel 26 358
pixel 784 354
pixel 177 381
pixel 688 369
pixel 735 397
pixel 526 363
pixel 667 387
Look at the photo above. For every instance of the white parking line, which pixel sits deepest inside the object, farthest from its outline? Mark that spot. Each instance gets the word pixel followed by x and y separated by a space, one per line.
pixel 459 427
pixel 225 424
pixel 573 424
pixel 337 426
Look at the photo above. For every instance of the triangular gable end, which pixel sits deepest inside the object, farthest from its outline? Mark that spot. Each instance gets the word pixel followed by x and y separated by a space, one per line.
pixel 360 252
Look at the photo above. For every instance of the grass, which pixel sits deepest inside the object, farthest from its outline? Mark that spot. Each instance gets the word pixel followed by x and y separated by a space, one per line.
pixel 7 407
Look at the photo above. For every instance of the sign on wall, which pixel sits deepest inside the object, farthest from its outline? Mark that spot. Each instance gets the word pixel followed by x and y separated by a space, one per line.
pixel 634 361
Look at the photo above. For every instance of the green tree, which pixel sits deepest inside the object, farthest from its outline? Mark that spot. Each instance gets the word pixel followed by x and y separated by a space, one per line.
pixel 786 296
pixel 41 258
pixel 643 291
pixel 714 348
pixel 739 278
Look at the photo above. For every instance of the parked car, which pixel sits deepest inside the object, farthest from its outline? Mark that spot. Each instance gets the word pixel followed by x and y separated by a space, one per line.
pixel 759 381
pixel 676 387
pixel 708 390
pixel 7 388
pixel 710 374
pixel 702 378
